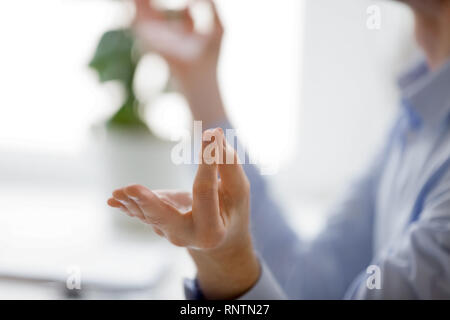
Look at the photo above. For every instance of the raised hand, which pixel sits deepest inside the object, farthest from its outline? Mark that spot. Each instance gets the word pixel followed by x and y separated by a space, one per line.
pixel 185 49
pixel 213 224
pixel 191 55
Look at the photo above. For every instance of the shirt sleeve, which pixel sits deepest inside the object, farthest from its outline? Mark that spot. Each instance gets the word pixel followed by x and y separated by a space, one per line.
pixel 266 288
pixel 325 267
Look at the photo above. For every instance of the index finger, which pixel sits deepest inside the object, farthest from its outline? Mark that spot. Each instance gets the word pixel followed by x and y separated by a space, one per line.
pixel 159 213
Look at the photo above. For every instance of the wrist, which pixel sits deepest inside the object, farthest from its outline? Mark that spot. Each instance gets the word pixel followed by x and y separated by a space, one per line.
pixel 226 273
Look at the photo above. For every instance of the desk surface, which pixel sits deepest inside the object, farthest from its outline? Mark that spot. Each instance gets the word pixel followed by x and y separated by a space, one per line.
pixel 52 222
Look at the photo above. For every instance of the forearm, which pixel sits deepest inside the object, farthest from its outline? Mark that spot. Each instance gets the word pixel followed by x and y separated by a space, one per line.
pixel 202 92
pixel 227 274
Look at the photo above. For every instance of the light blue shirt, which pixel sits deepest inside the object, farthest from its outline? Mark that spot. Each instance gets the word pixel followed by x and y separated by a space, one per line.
pixel 396 217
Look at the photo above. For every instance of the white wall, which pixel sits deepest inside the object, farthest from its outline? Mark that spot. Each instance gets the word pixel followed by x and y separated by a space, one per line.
pixel 348 98
pixel 49 97
pixel 259 72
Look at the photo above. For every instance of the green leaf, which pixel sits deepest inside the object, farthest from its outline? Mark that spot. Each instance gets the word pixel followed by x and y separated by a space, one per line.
pixel 113 59
pixel 128 117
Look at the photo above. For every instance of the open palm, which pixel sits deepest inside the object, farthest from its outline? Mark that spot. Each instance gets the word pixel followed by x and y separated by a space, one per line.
pixel 214 215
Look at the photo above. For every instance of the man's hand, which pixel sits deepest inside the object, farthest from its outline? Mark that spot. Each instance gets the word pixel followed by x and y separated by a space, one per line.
pixel 213 224
pixel 191 55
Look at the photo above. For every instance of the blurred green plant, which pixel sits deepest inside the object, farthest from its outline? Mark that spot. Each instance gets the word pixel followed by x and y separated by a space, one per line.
pixel 116 59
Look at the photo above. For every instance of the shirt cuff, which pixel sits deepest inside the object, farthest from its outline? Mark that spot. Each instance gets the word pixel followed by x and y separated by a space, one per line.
pixel 192 290
pixel 266 288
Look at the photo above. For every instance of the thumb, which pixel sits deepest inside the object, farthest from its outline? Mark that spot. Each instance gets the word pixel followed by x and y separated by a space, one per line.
pixel 205 207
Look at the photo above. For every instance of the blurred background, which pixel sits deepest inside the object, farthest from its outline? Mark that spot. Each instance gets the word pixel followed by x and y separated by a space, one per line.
pixel 310 87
